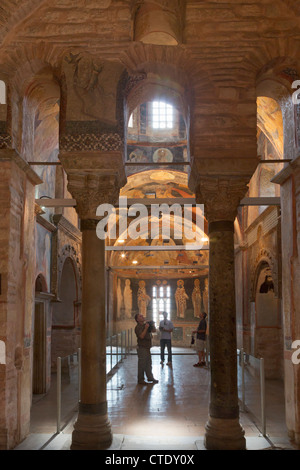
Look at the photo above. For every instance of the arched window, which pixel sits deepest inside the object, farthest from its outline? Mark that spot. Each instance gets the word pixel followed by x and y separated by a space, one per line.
pixel 161 301
pixel 162 115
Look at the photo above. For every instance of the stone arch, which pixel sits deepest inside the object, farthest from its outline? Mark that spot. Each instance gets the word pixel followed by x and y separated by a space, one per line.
pixel 274 80
pixel 35 122
pixel 272 89
pixel 268 341
pixel 66 313
pixel 156 71
pixel 22 68
pixel 275 130
pixel 40 101
pixel 272 52
pixel 264 258
pixel 69 252
pixel 68 292
pixel 40 283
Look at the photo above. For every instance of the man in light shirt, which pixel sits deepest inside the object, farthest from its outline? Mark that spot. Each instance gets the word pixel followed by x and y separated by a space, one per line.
pixel 165 327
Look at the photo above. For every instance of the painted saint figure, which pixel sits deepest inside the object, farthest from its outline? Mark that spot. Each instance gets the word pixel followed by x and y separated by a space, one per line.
pixel 119 298
pixel 181 298
pixel 128 299
pixel 143 298
pixel 196 298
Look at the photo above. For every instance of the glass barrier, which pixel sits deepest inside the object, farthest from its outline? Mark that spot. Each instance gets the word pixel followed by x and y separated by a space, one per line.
pixel 69 374
pixel 251 387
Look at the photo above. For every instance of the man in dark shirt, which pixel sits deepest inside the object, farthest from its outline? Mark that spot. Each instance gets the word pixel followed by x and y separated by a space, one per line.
pixel 144 343
pixel 200 340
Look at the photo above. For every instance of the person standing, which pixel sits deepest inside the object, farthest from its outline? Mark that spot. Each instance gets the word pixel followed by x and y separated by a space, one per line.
pixel 200 340
pixel 166 327
pixel 143 333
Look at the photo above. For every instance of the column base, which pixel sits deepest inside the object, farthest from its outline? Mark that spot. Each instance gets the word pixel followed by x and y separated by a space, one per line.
pixel 91 432
pixel 224 434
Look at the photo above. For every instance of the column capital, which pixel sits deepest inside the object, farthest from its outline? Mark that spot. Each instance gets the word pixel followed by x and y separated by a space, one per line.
pixel 221 196
pixel 94 178
pixel 92 190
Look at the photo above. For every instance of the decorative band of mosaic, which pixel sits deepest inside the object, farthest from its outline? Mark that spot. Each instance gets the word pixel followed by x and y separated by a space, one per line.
pixel 78 142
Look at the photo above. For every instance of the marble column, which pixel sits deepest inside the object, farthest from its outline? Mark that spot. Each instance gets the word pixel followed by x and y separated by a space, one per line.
pixel 92 430
pixel 221 198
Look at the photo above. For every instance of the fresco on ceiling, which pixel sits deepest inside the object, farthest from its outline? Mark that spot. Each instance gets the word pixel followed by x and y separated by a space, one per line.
pixel 157 183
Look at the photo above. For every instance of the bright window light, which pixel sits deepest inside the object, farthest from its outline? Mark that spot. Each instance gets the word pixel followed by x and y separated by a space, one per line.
pixel 162 115
pixel 161 302
pixel 130 122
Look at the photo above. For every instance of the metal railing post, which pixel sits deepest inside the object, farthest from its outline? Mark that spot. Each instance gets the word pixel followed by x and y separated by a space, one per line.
pixel 243 379
pixel 263 396
pixel 58 394
pixel 79 374
pixel 121 346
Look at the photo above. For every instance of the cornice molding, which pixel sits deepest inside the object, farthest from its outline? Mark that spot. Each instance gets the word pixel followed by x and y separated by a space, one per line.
pixel 12 156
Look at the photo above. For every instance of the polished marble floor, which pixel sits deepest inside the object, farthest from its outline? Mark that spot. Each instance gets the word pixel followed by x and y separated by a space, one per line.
pixel 168 415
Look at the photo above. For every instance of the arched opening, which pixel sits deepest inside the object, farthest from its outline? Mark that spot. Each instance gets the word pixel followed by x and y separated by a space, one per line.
pixel 40 116
pixel 157 164
pixel 156 134
pixel 270 147
pixel 149 279
pixel 65 314
pixel 268 329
